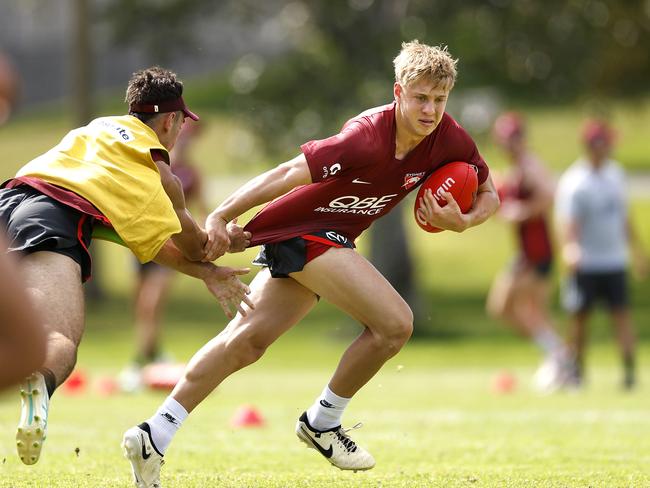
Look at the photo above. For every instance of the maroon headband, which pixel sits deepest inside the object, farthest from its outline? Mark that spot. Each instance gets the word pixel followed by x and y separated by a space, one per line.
pixel 168 106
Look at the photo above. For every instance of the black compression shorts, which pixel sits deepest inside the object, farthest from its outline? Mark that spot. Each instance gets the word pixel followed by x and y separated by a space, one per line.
pixel 35 222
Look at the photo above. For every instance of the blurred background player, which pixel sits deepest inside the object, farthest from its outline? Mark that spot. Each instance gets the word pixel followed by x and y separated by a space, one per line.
pixel 153 281
pixel 596 234
pixel 22 338
pixel 520 293
pixel 9 88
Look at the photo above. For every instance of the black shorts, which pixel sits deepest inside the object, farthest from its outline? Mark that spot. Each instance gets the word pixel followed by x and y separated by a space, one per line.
pixel 35 222
pixel 292 255
pixel 150 267
pixel 586 288
pixel 541 268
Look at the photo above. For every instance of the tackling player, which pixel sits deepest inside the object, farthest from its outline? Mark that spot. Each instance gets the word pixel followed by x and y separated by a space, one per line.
pixel 321 201
pixel 113 172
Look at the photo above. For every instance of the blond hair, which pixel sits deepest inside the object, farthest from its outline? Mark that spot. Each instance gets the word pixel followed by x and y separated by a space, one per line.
pixel 416 61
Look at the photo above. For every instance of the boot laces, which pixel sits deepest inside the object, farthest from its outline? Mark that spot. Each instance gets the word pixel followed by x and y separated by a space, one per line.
pixel 348 443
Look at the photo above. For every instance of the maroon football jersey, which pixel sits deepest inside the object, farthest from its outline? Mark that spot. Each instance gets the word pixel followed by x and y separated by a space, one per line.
pixel 356 178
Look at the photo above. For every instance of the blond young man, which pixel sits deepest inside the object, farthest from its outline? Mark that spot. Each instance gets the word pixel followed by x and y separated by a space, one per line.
pixel 320 202
pixel 111 174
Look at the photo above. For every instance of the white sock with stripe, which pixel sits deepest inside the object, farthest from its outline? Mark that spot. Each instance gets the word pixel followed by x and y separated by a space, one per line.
pixel 165 422
pixel 327 410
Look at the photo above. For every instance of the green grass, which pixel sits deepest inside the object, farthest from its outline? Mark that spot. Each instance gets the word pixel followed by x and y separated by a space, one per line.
pixel 431 416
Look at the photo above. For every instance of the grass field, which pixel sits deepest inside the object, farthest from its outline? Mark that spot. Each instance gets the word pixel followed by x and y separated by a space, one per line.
pixel 431 419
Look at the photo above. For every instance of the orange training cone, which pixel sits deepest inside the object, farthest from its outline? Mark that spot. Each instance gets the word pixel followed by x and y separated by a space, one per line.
pixel 504 382
pixel 75 384
pixel 247 416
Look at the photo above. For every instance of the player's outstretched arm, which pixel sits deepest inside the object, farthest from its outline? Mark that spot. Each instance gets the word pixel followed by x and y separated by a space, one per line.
pixel 569 235
pixel 640 262
pixel 450 217
pixel 191 239
pixel 259 190
pixel 221 281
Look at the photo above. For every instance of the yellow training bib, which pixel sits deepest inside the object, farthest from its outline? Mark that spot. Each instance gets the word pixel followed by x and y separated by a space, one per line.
pixel 109 163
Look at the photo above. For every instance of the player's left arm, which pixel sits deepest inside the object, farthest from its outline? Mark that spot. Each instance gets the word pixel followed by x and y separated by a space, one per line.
pixel 191 239
pixel 259 190
pixel 487 203
pixel 639 256
pixel 450 217
pixel 222 281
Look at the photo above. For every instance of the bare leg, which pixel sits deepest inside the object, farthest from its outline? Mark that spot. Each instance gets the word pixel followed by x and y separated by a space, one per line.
pixel 150 298
pixel 22 339
pixel 54 283
pixel 626 341
pixel 279 305
pixel 340 276
pixel 348 281
pixel 501 299
pixel 579 339
pixel 520 298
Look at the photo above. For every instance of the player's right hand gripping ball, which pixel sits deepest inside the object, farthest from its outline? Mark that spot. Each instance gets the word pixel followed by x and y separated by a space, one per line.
pixel 458 178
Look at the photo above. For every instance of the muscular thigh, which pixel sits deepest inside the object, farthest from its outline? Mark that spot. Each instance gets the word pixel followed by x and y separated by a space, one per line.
pixel 347 280
pixel 53 282
pixel 280 303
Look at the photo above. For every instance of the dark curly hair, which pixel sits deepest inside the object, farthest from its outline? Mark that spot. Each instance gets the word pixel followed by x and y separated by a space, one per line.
pixel 151 86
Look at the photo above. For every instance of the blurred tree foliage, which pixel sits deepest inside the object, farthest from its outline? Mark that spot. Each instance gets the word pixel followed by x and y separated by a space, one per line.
pixel 337 56
pixel 164 27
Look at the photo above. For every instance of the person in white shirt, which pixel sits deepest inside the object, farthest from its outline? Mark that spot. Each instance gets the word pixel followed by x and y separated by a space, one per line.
pixel 596 234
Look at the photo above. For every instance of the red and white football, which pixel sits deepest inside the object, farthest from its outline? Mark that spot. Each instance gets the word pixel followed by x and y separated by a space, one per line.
pixel 458 178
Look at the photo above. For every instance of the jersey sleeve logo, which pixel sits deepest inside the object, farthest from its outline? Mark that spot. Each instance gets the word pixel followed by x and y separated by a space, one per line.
pixel 332 170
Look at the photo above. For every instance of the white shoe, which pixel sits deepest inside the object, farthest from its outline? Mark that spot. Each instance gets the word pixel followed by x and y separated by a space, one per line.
pixel 144 457
pixel 553 374
pixel 335 445
pixel 130 379
pixel 32 428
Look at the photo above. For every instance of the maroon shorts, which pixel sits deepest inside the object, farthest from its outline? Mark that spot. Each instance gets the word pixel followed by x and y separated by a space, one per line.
pixel 290 256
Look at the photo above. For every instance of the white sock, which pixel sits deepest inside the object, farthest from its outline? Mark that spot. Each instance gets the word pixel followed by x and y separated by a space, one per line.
pixel 548 341
pixel 165 422
pixel 327 410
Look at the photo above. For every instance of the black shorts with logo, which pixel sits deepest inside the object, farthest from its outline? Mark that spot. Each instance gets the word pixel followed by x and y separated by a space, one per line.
pixel 584 289
pixel 292 255
pixel 35 222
